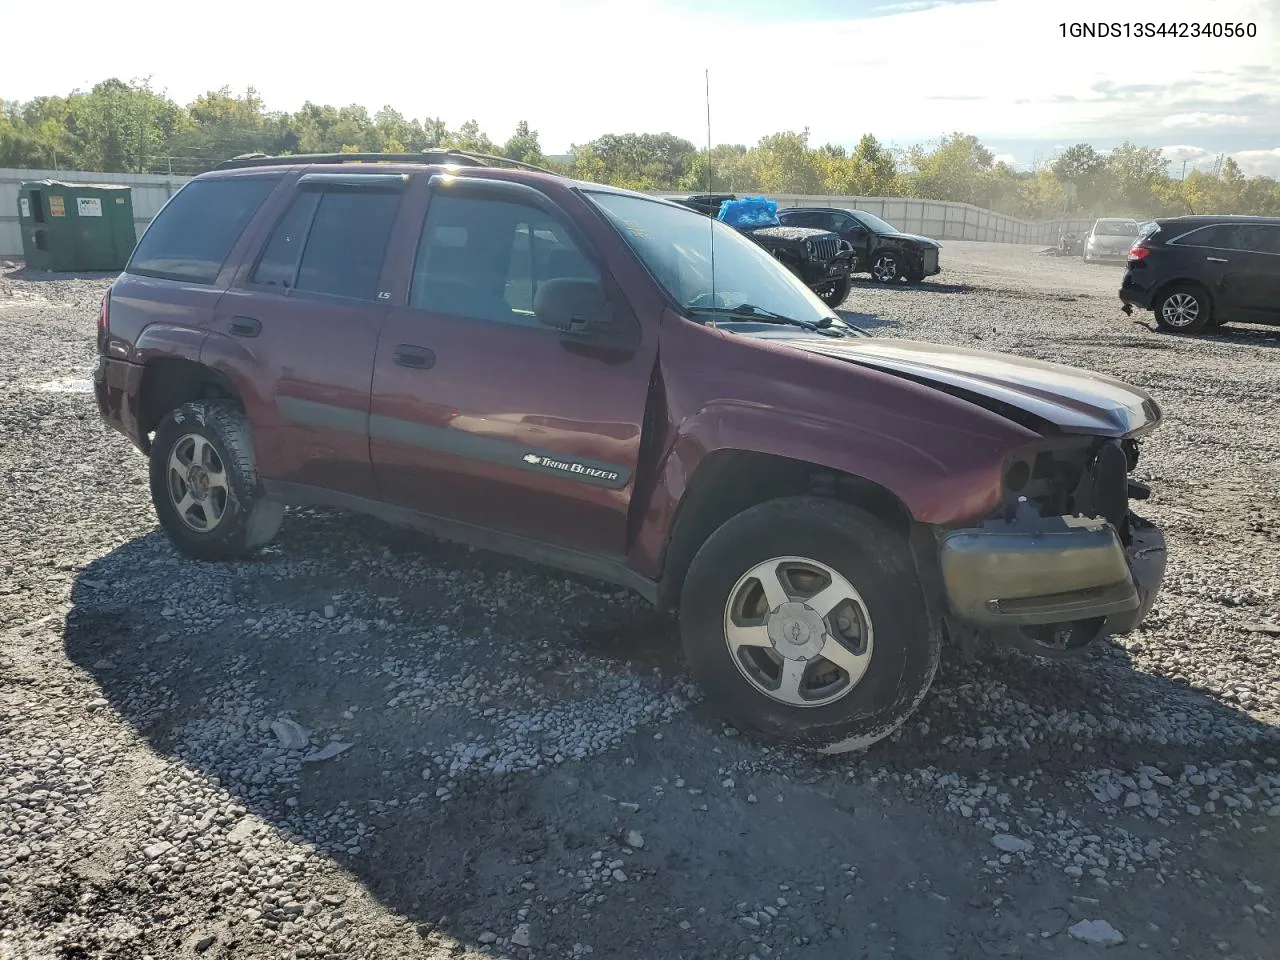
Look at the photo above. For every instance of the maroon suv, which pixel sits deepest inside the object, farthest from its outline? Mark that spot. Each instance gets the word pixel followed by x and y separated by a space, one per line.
pixel 616 386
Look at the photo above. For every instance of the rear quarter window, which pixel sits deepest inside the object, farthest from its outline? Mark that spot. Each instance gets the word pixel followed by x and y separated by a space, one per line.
pixel 1219 236
pixel 192 236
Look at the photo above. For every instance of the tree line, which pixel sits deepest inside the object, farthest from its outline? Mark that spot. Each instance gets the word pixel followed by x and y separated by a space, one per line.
pixel 127 127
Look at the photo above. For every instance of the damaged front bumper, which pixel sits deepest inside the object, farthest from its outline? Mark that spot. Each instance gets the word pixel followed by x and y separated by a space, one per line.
pixel 1052 584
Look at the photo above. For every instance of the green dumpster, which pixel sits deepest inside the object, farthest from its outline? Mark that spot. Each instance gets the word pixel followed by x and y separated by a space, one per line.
pixel 72 227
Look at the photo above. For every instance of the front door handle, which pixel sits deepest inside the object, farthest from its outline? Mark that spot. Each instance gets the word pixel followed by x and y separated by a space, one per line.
pixel 245 326
pixel 1217 259
pixel 418 358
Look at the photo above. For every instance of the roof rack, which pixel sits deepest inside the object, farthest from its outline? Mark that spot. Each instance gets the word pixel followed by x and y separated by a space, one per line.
pixel 444 156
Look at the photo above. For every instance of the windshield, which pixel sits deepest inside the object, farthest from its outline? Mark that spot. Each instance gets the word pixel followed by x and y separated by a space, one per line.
pixel 1116 228
pixel 874 223
pixel 676 244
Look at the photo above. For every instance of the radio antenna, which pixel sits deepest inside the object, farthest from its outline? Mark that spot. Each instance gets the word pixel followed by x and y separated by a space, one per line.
pixel 710 193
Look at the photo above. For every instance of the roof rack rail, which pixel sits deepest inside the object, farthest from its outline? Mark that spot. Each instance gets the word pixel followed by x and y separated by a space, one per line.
pixel 432 156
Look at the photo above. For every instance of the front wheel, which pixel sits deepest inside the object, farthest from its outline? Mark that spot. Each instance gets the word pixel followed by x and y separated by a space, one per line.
pixel 886 267
pixel 205 486
pixel 835 294
pixel 1184 309
pixel 803 622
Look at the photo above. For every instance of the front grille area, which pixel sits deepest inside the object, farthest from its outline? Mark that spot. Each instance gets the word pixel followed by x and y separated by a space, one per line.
pixel 825 248
pixel 930 259
pixel 1089 481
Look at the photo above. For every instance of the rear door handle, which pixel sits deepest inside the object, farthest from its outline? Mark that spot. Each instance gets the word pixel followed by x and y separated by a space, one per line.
pixel 245 326
pixel 419 358
pixel 1217 259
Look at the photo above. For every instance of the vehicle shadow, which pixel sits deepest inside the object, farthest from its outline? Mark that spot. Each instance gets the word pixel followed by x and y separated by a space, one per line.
pixel 925 286
pixel 403 647
pixel 1242 334
pixel 44 276
pixel 867 321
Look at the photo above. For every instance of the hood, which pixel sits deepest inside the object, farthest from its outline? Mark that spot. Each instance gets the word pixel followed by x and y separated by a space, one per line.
pixel 1067 398
pixel 1107 240
pixel 914 238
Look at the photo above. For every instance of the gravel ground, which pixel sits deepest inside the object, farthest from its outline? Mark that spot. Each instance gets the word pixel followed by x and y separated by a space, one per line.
pixel 367 744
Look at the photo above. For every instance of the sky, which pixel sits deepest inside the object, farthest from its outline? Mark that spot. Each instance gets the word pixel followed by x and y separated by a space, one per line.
pixel 907 71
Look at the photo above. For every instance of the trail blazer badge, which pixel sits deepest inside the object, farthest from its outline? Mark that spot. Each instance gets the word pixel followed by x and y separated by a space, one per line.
pixel 563 466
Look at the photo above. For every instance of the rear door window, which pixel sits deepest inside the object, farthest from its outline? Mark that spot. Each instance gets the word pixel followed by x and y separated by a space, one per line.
pixel 1220 236
pixel 193 234
pixel 347 244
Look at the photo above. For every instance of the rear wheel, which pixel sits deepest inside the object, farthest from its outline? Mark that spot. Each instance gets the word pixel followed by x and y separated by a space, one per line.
pixel 1184 309
pixel 886 267
pixel 803 622
pixel 205 486
pixel 835 294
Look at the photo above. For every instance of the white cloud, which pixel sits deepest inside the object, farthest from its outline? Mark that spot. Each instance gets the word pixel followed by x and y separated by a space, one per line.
pixel 1201 120
pixel 1254 163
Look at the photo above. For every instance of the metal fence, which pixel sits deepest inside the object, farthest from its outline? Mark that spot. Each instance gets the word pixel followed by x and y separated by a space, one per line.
pixel 940 219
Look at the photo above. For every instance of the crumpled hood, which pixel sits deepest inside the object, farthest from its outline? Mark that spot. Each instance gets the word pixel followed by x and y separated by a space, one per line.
pixel 916 239
pixel 1073 400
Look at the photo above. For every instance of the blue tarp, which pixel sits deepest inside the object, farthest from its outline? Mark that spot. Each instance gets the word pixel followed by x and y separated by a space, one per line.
pixel 749 212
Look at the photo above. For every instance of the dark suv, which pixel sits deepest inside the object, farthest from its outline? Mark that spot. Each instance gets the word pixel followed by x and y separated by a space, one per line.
pixel 548 368
pixel 817 256
pixel 1200 272
pixel 884 251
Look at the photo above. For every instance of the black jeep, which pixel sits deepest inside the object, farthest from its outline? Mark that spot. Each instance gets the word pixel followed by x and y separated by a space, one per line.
pixel 818 257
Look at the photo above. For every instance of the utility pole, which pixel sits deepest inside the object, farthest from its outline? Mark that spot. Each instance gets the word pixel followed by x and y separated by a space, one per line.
pixel 1184 169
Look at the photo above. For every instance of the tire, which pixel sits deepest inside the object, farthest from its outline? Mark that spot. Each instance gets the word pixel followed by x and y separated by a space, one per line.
pixel 835 295
pixel 1183 308
pixel 899 648
pixel 194 446
pixel 886 267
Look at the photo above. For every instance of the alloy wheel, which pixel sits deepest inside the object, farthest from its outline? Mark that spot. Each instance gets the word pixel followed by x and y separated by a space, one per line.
pixel 1180 310
pixel 798 631
pixel 885 268
pixel 198 483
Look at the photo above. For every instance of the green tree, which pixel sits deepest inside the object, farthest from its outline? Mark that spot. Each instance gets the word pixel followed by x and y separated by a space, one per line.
pixel 470 137
pixel 878 169
pixel 958 168
pixel 121 126
pixel 1134 174
pixel 785 164
pixel 523 145
pixel 1086 170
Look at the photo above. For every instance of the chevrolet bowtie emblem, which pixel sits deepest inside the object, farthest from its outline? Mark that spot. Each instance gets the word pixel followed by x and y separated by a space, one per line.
pixel 532 458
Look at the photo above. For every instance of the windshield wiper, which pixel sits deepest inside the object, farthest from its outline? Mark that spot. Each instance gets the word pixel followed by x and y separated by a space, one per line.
pixel 748 311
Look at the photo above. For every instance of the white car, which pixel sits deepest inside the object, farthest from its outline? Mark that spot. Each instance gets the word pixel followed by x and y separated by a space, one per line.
pixel 1110 239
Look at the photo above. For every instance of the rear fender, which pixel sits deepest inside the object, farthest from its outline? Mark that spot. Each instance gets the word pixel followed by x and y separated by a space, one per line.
pixel 247 373
pixel 164 340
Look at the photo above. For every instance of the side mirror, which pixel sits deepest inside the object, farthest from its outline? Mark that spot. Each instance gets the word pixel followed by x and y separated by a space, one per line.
pixel 573 306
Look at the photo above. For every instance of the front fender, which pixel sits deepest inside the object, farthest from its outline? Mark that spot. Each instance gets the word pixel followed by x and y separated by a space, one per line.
pixel 932 489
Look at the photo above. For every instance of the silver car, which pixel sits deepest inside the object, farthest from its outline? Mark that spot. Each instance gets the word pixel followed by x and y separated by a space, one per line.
pixel 1110 239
